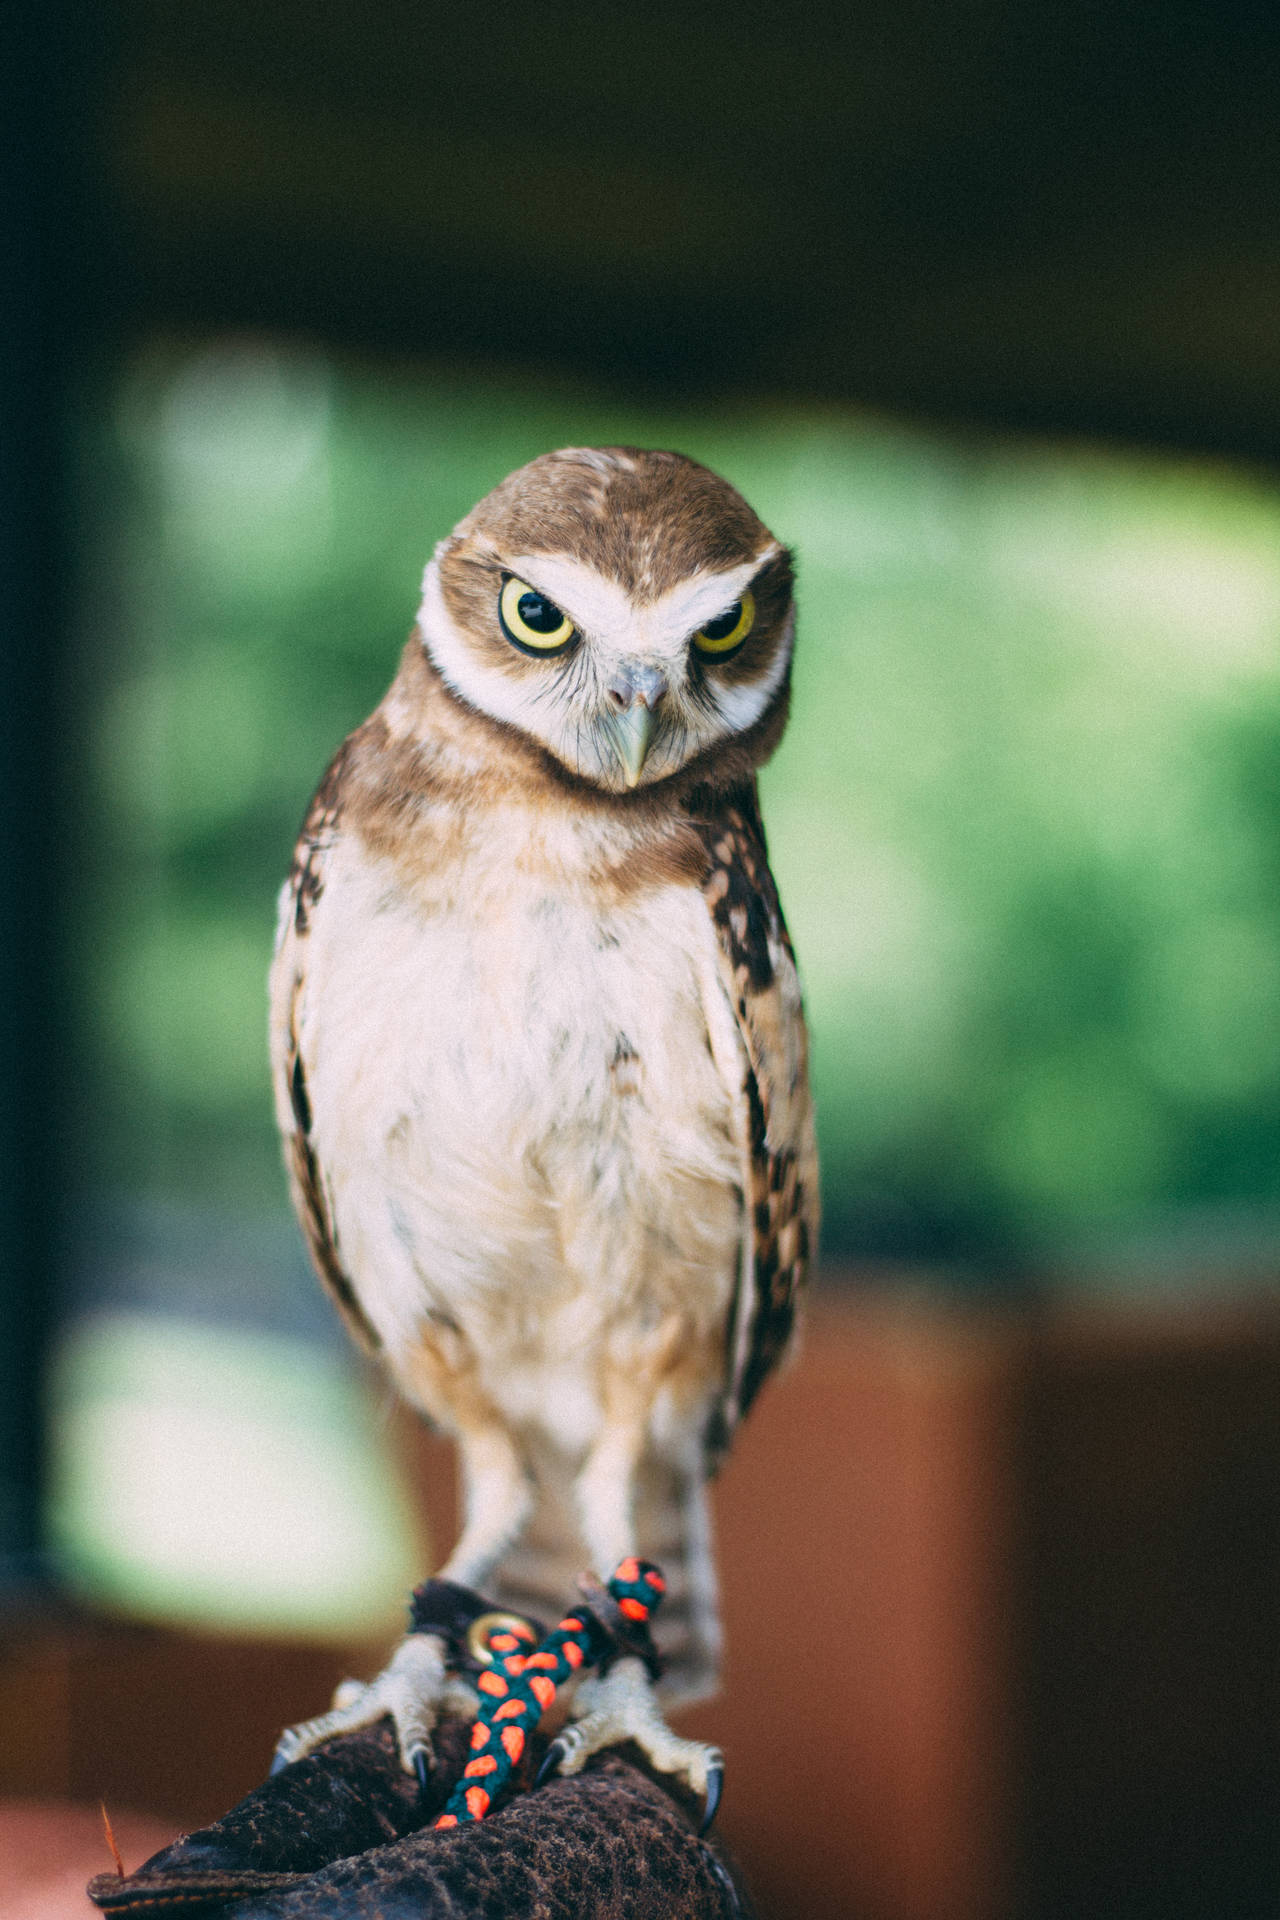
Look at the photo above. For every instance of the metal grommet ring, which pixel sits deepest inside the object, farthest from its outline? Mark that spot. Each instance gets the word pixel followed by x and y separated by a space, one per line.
pixel 485 1625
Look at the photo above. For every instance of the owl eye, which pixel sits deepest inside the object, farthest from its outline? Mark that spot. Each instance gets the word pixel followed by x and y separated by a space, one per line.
pixel 726 633
pixel 531 621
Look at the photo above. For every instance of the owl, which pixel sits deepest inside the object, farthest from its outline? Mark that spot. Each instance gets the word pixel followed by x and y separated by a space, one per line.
pixel 540 1058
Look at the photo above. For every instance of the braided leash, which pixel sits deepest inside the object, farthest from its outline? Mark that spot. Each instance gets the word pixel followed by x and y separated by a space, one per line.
pixel 519 1685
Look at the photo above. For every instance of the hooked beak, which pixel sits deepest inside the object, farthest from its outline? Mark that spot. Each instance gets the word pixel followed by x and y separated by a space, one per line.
pixel 632 732
pixel 635 693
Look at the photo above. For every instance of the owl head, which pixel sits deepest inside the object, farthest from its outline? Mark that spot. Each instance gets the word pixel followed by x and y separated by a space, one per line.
pixel 623 609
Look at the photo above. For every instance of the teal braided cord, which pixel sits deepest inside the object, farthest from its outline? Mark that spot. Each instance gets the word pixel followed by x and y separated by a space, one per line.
pixel 519 1687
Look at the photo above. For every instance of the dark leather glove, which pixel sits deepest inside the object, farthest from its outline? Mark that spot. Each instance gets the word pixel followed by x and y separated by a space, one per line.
pixel 347 1835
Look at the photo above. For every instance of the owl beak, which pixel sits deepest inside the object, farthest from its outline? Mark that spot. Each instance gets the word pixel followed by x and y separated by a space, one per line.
pixel 635 693
pixel 632 733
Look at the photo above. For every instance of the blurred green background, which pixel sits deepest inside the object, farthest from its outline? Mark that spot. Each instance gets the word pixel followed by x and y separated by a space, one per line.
pixel 1025 818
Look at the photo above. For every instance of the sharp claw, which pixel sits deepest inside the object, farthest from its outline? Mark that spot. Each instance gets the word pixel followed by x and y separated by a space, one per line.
pixel 279 1760
pixel 551 1760
pixel 715 1787
pixel 420 1761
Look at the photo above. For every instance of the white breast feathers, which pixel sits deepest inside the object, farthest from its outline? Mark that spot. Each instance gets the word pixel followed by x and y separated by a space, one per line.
pixel 524 1133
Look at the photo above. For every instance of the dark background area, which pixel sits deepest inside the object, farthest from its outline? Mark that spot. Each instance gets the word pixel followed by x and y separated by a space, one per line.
pixel 1056 218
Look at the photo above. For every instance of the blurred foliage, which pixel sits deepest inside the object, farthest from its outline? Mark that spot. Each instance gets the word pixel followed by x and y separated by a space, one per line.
pixel 1026 819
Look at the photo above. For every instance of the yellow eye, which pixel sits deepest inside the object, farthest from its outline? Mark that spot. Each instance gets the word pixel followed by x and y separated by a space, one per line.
pixel 531 621
pixel 726 633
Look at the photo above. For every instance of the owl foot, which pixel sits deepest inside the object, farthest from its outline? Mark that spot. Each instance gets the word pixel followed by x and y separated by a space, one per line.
pixel 413 1686
pixel 619 1706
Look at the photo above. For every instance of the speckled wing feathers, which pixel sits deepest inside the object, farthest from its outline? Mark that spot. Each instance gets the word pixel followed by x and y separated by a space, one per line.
pixel 781 1205
pixel 302 892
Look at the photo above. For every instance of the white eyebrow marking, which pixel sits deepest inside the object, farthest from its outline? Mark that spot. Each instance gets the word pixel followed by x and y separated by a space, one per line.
pixel 595 605
pixel 703 596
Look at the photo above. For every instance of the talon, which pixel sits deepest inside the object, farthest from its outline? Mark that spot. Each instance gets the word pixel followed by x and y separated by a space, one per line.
pixel 552 1760
pixel 420 1760
pixel 715 1787
pixel 279 1761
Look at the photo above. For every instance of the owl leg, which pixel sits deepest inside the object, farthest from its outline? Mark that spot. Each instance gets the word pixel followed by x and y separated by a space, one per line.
pixel 631 1379
pixel 415 1684
pixel 497 1498
pixel 621 1705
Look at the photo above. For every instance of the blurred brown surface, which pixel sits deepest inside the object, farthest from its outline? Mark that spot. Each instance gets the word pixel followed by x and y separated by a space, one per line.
pixel 1000 1597
pixel 865 1536
pixel 176 1724
pixel 1148 1457
pixel 48 1850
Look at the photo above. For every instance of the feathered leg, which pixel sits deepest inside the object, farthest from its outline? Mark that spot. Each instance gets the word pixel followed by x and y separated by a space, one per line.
pixel 621 1704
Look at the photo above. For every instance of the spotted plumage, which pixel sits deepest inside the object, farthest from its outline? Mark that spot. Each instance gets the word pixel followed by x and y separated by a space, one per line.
pixel 759 967
pixel 537 1035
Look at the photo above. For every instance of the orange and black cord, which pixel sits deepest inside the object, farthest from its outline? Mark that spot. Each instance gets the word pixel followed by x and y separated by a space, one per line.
pixel 520 1685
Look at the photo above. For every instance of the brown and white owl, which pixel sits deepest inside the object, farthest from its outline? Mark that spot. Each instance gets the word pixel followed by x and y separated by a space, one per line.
pixel 539 1053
